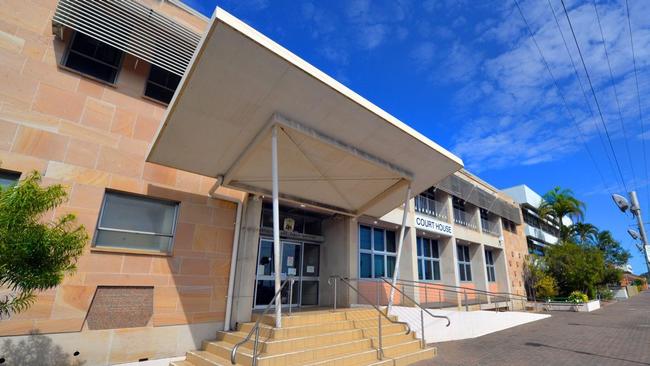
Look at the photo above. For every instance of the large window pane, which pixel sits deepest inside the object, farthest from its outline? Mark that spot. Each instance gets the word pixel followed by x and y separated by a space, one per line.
pixel 126 212
pixel 136 222
pixel 436 270
pixel 434 249
pixel 390 266
pixel 365 241
pixel 419 245
pixel 427 247
pixel 265 265
pixel 468 269
pixel 461 272
pixel 378 236
pixel 379 266
pixel 94 58
pixel 365 265
pixel 420 270
pixel 390 241
pixel 311 259
pixel 428 275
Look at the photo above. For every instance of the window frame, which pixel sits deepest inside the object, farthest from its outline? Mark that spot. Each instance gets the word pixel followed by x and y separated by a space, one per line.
pixel 490 268
pixel 148 81
pixel 373 253
pixel 98 227
pixel 428 260
pixel 64 60
pixel 464 275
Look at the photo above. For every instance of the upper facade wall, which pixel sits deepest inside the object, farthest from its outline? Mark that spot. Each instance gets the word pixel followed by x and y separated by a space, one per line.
pixel 91 137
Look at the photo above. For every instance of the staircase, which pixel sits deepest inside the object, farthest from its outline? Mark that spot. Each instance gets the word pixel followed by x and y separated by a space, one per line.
pixel 343 337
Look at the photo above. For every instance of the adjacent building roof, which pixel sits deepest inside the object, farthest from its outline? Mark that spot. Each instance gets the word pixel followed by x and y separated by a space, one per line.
pixel 336 149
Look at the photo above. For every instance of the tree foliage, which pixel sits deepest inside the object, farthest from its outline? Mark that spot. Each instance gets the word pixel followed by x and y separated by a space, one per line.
pixel 583 233
pixel 558 203
pixel 575 267
pixel 34 254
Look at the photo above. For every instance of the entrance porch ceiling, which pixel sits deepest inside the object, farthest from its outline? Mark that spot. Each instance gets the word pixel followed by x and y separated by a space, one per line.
pixel 336 149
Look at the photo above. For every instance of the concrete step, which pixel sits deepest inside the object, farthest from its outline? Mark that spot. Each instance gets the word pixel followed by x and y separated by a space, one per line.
pixel 413 357
pixel 357 358
pixel 181 363
pixel 270 346
pixel 298 356
pixel 298 331
pixel 386 329
pixel 392 339
pixel 306 318
pixel 204 358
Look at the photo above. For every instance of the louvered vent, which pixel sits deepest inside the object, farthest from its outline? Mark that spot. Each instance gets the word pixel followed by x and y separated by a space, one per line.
pixel 132 28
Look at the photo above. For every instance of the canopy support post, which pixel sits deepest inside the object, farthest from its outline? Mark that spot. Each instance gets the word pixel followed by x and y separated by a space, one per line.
pixel 400 245
pixel 276 226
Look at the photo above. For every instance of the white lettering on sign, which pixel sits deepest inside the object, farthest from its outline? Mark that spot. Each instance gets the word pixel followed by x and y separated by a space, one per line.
pixel 427 223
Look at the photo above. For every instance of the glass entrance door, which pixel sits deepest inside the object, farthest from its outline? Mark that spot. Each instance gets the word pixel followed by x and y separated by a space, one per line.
pixel 299 260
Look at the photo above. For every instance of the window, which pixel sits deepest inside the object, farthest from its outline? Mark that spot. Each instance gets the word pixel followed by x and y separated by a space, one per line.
pixel 460 216
pixel 8 178
pixel 377 249
pixel 428 259
pixel 489 264
pixel 464 263
pixel 161 84
pixel 136 223
pixel 509 225
pixel 93 58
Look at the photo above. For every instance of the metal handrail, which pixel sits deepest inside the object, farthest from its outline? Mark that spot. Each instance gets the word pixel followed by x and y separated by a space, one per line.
pixel 462 288
pixel 256 327
pixel 505 296
pixel 416 303
pixel 423 342
pixel 345 280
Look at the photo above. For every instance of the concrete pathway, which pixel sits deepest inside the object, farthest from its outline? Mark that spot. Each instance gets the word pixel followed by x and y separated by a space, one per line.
pixel 618 334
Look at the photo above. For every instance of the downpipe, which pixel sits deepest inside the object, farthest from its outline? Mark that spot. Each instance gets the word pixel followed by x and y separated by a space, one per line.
pixel 235 247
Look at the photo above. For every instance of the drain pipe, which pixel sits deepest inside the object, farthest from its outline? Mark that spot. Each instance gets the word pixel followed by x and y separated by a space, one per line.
pixel 235 247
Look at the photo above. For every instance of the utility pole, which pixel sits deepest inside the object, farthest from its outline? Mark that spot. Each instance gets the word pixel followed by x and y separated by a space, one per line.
pixel 636 211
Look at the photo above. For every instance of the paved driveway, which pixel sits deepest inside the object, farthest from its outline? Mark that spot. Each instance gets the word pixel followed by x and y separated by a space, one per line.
pixel 618 334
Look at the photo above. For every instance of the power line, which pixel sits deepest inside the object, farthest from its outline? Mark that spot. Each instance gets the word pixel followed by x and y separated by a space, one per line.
pixel 582 88
pixel 638 96
pixel 593 92
pixel 618 104
pixel 566 105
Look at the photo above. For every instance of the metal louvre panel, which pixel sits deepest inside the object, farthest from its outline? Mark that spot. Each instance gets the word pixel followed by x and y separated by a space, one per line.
pixel 478 197
pixel 133 28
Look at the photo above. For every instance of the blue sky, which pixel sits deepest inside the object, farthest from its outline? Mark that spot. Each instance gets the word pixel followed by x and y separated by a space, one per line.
pixel 467 75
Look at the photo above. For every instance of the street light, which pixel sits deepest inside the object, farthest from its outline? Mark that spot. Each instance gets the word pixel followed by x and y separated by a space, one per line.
pixel 621 202
pixel 634 207
pixel 634 234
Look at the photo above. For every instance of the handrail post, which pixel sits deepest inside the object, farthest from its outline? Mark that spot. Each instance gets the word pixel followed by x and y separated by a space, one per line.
pixel 380 351
pixel 335 281
pixel 423 344
pixel 255 345
pixel 291 281
pixel 465 297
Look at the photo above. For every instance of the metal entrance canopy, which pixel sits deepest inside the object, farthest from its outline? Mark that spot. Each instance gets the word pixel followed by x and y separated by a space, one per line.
pixel 336 150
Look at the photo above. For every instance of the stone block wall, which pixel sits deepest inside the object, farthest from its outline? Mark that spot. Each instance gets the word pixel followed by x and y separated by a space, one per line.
pixel 91 137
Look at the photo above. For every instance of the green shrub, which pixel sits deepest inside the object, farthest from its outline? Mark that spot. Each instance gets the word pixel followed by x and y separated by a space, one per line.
pixel 606 294
pixel 578 297
pixel 546 287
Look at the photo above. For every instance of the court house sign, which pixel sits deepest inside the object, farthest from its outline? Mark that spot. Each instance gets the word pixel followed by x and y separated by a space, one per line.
pixel 427 223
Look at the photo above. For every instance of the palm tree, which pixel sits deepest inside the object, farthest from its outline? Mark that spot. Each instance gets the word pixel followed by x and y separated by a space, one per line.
pixel 584 233
pixel 559 203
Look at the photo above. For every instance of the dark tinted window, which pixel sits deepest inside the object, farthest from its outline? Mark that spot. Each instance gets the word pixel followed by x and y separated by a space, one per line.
pixel 8 178
pixel 161 84
pixel 93 57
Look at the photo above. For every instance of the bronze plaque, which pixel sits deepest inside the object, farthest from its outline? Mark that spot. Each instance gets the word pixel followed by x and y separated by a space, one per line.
pixel 116 307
